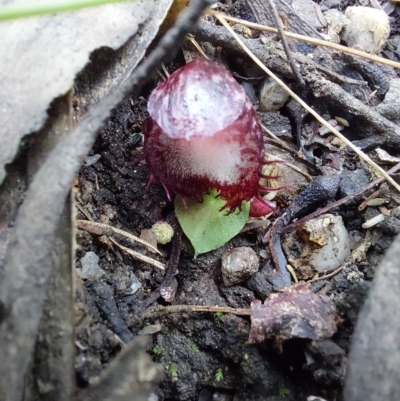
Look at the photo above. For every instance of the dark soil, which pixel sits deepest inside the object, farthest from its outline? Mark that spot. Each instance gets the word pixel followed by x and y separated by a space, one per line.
pixel 205 355
pixel 194 346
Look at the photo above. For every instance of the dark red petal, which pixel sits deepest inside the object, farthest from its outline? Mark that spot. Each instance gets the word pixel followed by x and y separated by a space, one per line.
pixel 260 207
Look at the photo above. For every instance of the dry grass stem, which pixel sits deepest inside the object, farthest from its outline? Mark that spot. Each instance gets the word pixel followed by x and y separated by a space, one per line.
pixel 292 272
pixel 293 167
pixel 194 42
pixel 338 270
pixel 164 68
pixel 285 44
pixel 307 39
pixel 92 226
pixel 361 154
pixel 273 136
pixel 139 256
pixel 284 146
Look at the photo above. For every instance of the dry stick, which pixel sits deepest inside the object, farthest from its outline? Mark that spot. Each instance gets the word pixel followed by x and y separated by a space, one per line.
pixel 276 139
pixel 305 105
pixel 288 149
pixel 281 144
pixel 329 275
pixel 364 203
pixel 285 43
pixel 164 68
pixel 104 229
pixel 340 202
pixel 83 211
pixel 293 167
pixel 167 310
pixel 307 39
pixel 193 41
pixel 334 76
pixel 139 256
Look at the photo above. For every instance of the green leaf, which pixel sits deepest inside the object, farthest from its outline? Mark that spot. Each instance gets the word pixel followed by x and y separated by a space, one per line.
pixel 206 227
pixel 29 9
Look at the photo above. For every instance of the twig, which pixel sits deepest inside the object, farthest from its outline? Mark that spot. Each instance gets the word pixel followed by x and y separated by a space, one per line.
pixel 139 256
pixel 363 204
pixel 361 154
pixel 194 42
pixel 276 139
pixel 159 311
pixel 340 202
pixel 307 39
pixel 292 272
pixel 164 68
pixel 83 211
pixel 338 270
pixel 278 142
pixel 285 43
pixel 334 76
pixel 375 123
pixel 274 58
pixel 292 166
pixel 104 229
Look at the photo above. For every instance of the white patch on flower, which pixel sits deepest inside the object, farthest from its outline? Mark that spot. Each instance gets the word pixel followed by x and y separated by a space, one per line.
pixel 218 161
pixel 207 157
pixel 216 78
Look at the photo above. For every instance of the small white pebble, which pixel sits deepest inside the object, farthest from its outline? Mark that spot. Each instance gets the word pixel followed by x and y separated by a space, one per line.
pixel 374 221
pixel 90 160
pixel 90 267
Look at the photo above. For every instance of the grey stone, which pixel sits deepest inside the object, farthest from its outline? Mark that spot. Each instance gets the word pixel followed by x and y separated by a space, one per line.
pixel 260 285
pixel 353 181
pixel 90 266
pixel 272 96
pixel 238 264
pixel 136 284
